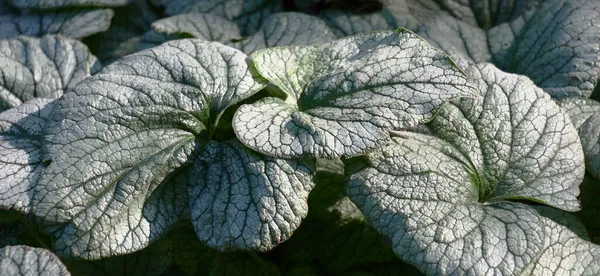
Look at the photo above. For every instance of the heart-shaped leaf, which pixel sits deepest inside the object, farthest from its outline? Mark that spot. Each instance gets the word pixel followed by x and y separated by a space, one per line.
pixel 119 140
pixel 444 202
pixel 343 97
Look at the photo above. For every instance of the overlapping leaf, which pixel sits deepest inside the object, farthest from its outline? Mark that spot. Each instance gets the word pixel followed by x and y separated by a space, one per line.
pixel 243 200
pixel 121 136
pixel 41 68
pixel 284 29
pixel 444 202
pixel 488 13
pixel 556 46
pixel 343 97
pixel 73 23
pixel 22 260
pixel 21 152
pixel 198 25
pixel 249 15
pixel 585 115
pixel 280 29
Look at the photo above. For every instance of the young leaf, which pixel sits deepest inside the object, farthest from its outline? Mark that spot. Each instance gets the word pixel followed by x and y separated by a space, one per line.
pixel 243 200
pixel 73 23
pixel 21 152
pixel 28 261
pixel 41 68
pixel 444 202
pixel 344 96
pixel 585 115
pixel 54 4
pixel 116 136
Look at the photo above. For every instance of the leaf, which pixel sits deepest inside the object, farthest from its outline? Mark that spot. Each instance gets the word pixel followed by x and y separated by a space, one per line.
pixel 29 261
pixel 488 13
pixel 243 200
pixel 556 46
pixel 152 260
pixel 346 23
pixel 344 96
pixel 288 28
pixel 197 25
pixel 457 38
pixel 517 139
pixel 124 33
pixel 565 33
pixel 54 4
pixel 41 68
pixel 279 29
pixel 445 202
pixel 136 124
pixel 21 152
pixel 72 23
pixel 411 14
pixel 249 15
pixel 585 115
